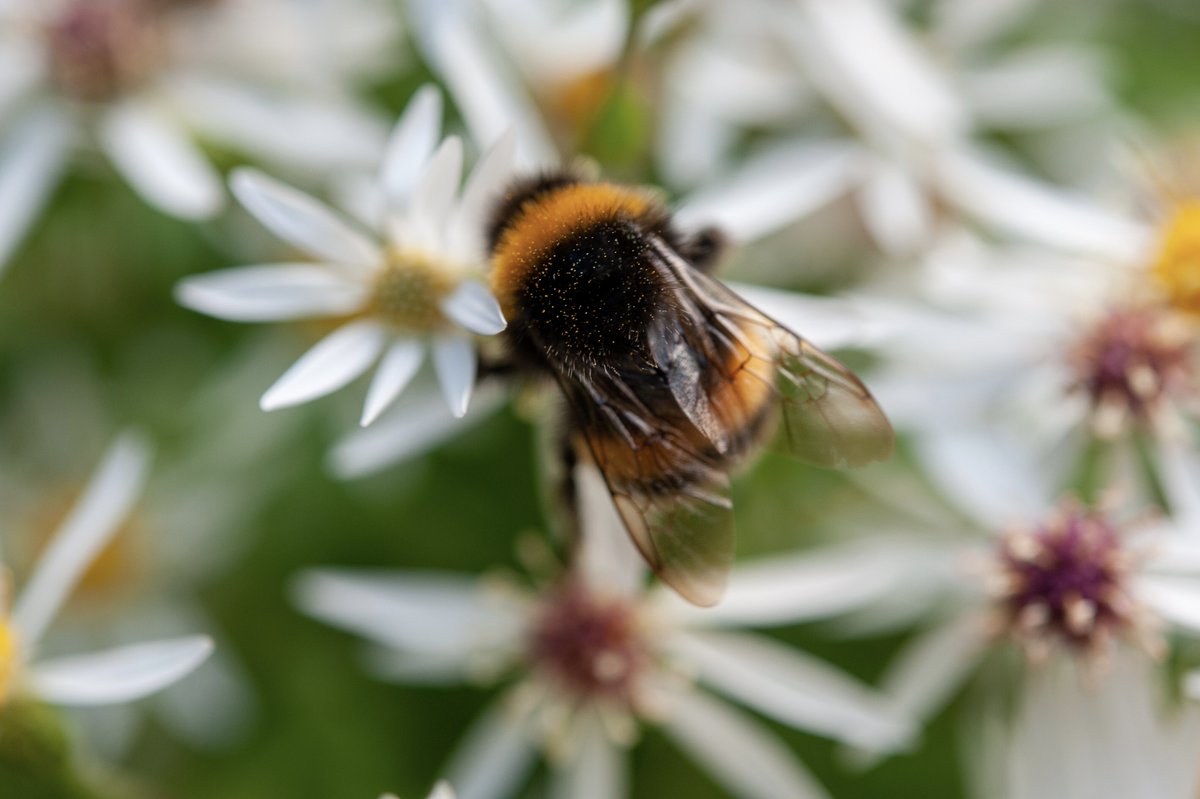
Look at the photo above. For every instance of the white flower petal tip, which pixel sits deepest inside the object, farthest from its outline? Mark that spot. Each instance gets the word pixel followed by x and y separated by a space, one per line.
pixel 455 362
pixel 333 362
pixel 119 675
pixel 270 293
pixel 394 374
pixel 442 791
pixel 159 160
pixel 412 141
pixel 301 220
pixel 473 306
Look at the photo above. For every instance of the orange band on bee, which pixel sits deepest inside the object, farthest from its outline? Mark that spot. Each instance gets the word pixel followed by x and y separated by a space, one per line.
pixel 543 222
pixel 743 398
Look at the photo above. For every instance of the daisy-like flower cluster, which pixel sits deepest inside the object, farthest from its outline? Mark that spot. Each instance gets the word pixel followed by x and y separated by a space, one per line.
pixel 979 219
pixel 417 284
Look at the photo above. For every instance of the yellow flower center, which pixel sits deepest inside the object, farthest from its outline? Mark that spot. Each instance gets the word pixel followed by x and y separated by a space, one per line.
pixel 1177 268
pixel 408 292
pixel 8 658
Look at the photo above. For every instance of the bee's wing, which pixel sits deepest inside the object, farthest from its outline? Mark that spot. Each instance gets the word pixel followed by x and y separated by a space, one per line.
pixel 828 416
pixel 673 500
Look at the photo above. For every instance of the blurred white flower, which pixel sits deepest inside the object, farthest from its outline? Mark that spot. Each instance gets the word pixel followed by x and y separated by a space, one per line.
pixel 416 283
pixel 111 676
pixel 908 150
pixel 193 519
pixel 1057 580
pixel 1016 361
pixel 142 81
pixel 594 653
pixel 1073 739
pixel 541 67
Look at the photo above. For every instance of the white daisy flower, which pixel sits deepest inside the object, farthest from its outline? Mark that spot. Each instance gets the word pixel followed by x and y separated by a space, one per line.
pixel 191 521
pixel 1059 579
pixel 141 81
pixel 910 149
pixel 416 284
pixel 595 654
pixel 111 676
pixel 1034 357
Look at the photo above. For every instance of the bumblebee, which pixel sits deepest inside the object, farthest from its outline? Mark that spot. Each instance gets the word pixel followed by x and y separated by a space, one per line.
pixel 671 380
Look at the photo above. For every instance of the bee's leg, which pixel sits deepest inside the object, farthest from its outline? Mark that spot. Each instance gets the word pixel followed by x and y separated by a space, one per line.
pixel 704 248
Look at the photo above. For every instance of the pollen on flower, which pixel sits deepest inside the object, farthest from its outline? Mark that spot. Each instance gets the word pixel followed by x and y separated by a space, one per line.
pixel 1130 362
pixel 1066 581
pixel 408 292
pixel 1177 267
pixel 100 48
pixel 587 646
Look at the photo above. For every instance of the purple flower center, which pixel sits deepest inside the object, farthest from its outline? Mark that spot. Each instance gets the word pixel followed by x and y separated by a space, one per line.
pixel 1065 580
pixel 588 646
pixel 101 48
pixel 1130 361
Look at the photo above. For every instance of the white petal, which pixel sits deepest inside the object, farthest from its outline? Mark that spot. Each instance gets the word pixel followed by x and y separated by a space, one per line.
pixel 411 144
pixel 869 66
pixel 1075 739
pixel 416 424
pixel 494 757
pixel 1039 87
pixel 606 557
pixel 554 42
pixel 986 474
pixel 737 751
pixel 159 160
pixel 489 97
pixel 930 669
pixel 483 187
pixel 118 675
pixel 596 768
pixel 422 613
pixel 96 517
pixel 442 791
pixel 428 215
pixel 829 322
pixel 331 363
pixel 270 293
pixel 302 220
pixel 819 585
pixel 473 306
pixel 1177 599
pixel 309 134
pixel 395 371
pixel 965 24
pixel 791 687
pixel 455 362
pixel 31 157
pixel 1021 206
pixel 895 209
pixel 773 189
